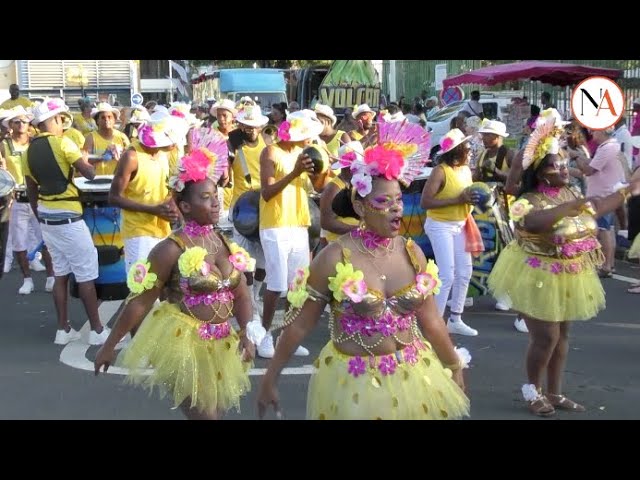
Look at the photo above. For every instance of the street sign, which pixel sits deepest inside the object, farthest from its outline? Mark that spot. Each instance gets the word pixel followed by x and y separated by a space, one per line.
pixel 451 94
pixel 136 99
pixel 441 74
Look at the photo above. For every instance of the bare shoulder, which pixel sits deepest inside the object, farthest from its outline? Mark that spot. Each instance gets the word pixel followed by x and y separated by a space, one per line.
pixel 324 264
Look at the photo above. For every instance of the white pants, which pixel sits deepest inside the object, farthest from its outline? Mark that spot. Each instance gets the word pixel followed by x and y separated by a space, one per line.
pixel 72 250
pixel 23 228
pixel 33 238
pixel 138 248
pixel 454 263
pixel 285 250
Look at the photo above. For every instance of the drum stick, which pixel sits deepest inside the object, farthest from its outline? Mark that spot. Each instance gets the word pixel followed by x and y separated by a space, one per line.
pixel 32 254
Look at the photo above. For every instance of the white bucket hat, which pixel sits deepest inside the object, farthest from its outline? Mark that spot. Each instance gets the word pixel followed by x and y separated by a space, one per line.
pixel 303 124
pixel 452 139
pixel 225 104
pixel 139 116
pixel 353 146
pixel 158 131
pixel 15 112
pixel 360 109
pixel 182 111
pixel 327 111
pixel 252 116
pixel 105 107
pixel 396 117
pixel 49 107
pixel 495 127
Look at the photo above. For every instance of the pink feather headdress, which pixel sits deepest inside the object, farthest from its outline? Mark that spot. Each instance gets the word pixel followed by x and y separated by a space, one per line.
pixel 399 152
pixel 209 158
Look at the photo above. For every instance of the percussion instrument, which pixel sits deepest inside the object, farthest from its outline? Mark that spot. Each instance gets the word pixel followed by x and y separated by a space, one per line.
pixel 246 216
pixel 413 215
pixel 7 185
pixel 104 224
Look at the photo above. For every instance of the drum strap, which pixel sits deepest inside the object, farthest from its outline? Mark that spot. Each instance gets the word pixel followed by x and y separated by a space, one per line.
pixel 243 164
pixel 46 171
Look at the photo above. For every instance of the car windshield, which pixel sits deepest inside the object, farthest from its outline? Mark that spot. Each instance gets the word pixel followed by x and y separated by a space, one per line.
pixel 446 112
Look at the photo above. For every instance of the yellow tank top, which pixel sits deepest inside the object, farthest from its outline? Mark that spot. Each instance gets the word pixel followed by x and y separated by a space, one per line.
pixel 290 208
pixel 85 126
pixel 252 156
pixel 330 236
pixel 14 162
pixel 355 135
pixel 149 186
pixel 334 144
pixel 100 144
pixel 456 179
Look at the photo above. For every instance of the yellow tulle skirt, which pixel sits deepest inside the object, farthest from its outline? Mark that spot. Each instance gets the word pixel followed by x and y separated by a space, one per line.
pixel 634 251
pixel 209 372
pixel 549 289
pixel 413 386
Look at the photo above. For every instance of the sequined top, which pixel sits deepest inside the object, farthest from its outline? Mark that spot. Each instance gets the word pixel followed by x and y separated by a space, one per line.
pixel 376 317
pixel 203 286
pixel 570 237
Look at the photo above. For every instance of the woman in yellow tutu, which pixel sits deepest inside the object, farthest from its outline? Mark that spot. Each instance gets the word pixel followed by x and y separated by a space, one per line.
pixel 549 270
pixel 187 340
pixel 378 363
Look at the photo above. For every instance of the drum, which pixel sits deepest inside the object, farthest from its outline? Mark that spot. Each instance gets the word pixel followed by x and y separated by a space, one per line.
pixel 7 185
pixel 413 215
pixel 104 224
pixel 246 216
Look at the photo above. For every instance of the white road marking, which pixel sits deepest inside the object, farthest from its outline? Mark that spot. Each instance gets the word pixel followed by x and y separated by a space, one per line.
pixel 625 279
pixel 74 353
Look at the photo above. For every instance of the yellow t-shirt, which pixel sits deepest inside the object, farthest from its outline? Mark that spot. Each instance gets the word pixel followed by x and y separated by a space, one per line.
pixel 14 162
pixel 334 144
pixel 66 153
pixel 456 179
pixel 85 126
pixel 100 145
pixel 252 156
pixel 290 208
pixel 18 102
pixel 75 135
pixel 149 186
pixel 355 135
pixel 330 236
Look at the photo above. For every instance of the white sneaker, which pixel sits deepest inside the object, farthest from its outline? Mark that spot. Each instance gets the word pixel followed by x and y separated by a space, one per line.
pixel 461 328
pixel 468 302
pixel 266 348
pixel 49 285
pixel 62 337
pixel 502 306
pixel 300 351
pixel 99 338
pixel 36 266
pixel 27 287
pixel 520 325
pixel 7 267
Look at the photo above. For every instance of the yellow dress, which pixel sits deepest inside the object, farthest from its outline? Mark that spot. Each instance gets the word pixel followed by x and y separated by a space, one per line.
pixel 634 251
pixel 185 357
pixel 551 276
pixel 409 384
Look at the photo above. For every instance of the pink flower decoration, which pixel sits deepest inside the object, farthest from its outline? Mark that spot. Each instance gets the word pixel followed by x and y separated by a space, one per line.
pixel 556 268
pixel 387 325
pixel 205 269
pixel 387 365
pixel 446 144
pixel 54 104
pixel 193 229
pixel 573 267
pixel 404 323
pixel 347 159
pixel 357 366
pixel 362 183
pixel 370 239
pixel 410 355
pixel 534 262
pixel 425 283
pixel 194 167
pixel 146 135
pixel 204 331
pixel 350 324
pixel 355 290
pixel 239 261
pixel 178 113
pixel 283 131
pixel 141 272
pixel 388 162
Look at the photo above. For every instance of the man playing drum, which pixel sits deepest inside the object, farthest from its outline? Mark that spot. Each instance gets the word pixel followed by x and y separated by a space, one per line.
pixel 48 169
pixel 107 143
pixel 245 170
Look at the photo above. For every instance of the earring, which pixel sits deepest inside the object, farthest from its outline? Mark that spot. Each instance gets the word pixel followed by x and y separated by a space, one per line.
pixel 547 181
pixel 362 226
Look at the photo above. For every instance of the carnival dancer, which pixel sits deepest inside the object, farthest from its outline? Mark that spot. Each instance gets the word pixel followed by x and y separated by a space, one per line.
pixel 48 169
pixel 450 226
pixel 107 143
pixel 549 270
pixel 196 355
pixel 140 189
pixel 390 355
pixel 23 220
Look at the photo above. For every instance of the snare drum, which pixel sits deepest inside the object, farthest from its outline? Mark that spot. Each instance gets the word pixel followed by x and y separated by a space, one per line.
pixel 104 224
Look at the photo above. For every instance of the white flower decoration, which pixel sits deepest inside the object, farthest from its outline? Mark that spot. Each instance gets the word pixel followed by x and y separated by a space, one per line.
pixel 530 392
pixel 464 356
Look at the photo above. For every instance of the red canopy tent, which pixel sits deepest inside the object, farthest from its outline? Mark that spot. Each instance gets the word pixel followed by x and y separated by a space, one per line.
pixel 561 74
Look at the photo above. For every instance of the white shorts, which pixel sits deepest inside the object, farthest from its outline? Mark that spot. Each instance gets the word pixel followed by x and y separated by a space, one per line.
pixel 252 247
pixel 285 250
pixel 72 250
pixel 138 248
pixel 23 227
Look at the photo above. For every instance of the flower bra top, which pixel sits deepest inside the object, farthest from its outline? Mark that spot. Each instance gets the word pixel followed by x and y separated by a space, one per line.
pixel 568 238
